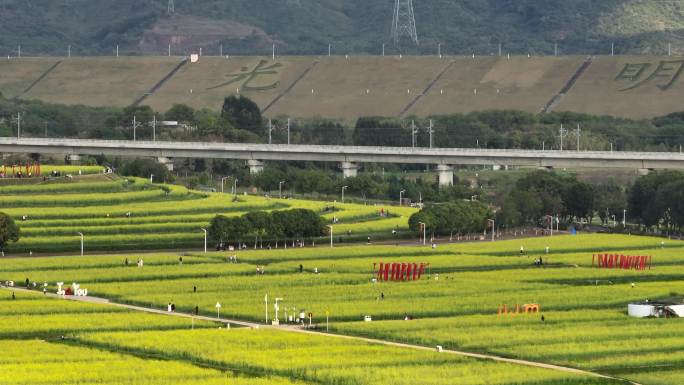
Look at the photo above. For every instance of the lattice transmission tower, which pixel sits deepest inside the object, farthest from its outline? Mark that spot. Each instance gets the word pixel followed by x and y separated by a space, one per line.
pixel 171 7
pixel 404 22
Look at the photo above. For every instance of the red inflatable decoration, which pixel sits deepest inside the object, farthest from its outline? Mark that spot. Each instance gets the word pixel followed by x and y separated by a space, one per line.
pixel 399 272
pixel 619 261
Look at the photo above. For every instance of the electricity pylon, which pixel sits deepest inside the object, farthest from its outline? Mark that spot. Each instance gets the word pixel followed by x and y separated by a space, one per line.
pixel 404 21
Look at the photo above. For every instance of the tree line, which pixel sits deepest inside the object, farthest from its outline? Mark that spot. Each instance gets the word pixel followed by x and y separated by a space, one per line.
pixel 239 119
pixel 275 226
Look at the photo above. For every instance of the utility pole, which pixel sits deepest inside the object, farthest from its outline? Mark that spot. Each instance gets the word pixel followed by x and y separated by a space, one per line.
pixel 154 128
pixel 578 137
pixel 414 131
pixel 431 131
pixel 117 50
pixel 562 133
pixel 69 50
pixel 329 50
pixel 136 124
pixel 270 128
pixel 18 119
pixel 612 49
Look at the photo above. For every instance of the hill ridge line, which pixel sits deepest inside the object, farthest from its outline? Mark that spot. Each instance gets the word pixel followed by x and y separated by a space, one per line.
pixel 427 89
pixel 160 83
pixel 551 104
pixel 294 83
pixel 40 78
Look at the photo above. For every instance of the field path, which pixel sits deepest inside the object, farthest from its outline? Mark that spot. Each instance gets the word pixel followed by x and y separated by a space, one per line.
pixel 295 329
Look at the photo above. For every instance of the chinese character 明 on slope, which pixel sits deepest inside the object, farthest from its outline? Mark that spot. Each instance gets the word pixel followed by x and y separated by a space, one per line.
pixel 246 77
pixel 664 75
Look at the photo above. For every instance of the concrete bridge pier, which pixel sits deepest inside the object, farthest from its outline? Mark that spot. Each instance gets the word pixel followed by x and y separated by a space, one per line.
pixel 349 169
pixel 255 166
pixel 446 175
pixel 168 162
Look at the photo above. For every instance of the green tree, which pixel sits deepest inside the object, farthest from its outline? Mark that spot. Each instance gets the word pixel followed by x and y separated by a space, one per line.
pixel 9 231
pixel 181 113
pixel 243 114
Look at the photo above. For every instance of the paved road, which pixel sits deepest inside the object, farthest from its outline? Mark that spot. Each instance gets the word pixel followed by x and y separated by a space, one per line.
pixel 294 329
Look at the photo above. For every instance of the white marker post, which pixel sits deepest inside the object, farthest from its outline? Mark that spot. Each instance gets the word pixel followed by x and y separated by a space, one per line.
pixel 218 310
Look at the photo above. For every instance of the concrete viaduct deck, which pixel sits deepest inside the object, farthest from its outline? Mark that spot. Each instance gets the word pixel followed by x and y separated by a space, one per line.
pixel 349 156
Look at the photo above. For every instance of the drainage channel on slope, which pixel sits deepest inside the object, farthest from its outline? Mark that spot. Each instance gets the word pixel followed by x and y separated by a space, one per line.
pixel 551 104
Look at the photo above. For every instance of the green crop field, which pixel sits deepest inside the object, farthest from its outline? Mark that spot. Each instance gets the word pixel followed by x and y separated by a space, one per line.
pixel 453 305
pixel 161 216
pixel 347 87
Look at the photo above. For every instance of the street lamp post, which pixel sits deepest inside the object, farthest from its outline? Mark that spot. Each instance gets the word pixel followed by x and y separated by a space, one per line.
pixel 493 228
pixel 235 187
pixel 401 196
pixel 424 226
pixel 205 239
pixel 624 218
pixel 223 180
pixel 331 235
pixel 343 188
pixel 81 234
pixel 280 189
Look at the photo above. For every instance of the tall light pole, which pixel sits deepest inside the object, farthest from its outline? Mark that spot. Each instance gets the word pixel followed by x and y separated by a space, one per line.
pixel 81 234
pixel 401 195
pixel 205 239
pixel 424 226
pixel 343 188
pixel 624 218
pixel 223 181
pixel 280 189
pixel 266 304
pixel 235 187
pixel 493 231
pixel 331 235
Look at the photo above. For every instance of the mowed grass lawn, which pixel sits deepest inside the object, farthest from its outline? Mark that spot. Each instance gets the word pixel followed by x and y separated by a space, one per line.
pixel 453 305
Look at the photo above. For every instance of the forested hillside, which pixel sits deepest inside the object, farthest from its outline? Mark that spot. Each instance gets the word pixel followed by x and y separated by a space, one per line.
pixel 352 26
